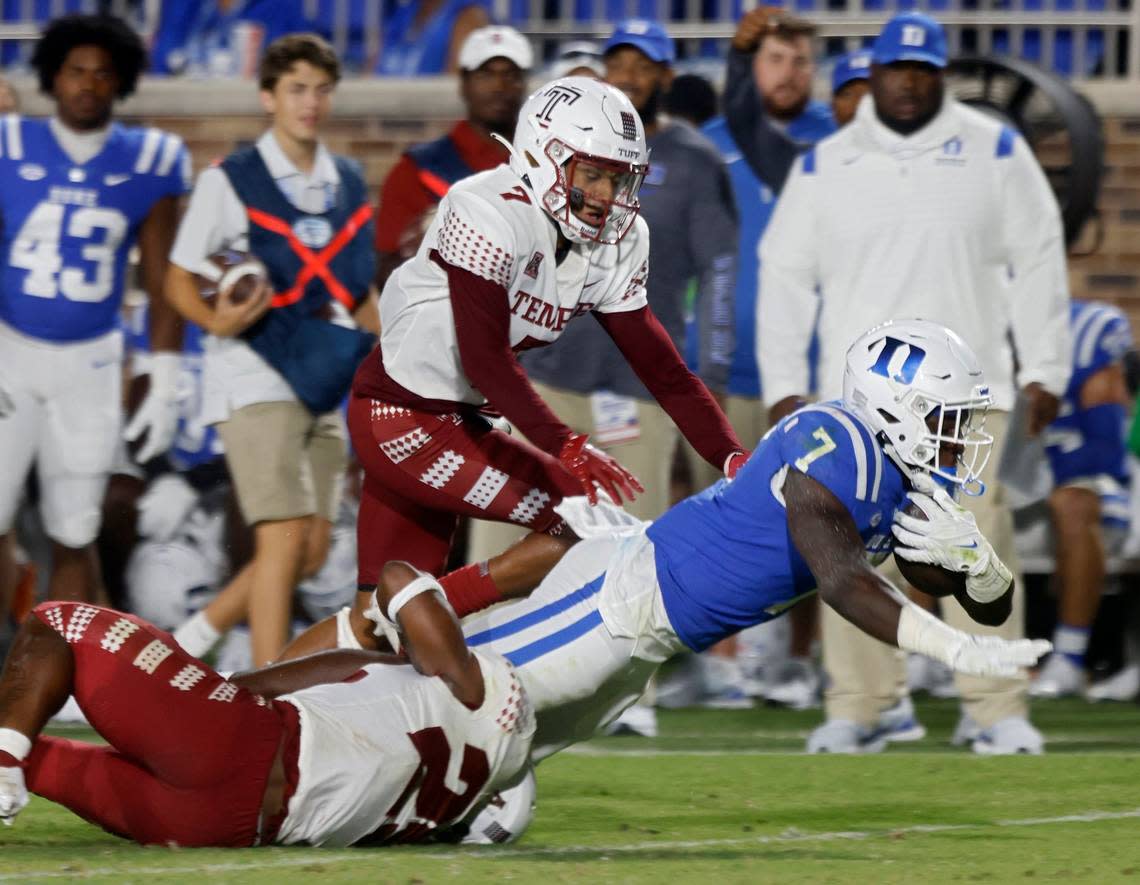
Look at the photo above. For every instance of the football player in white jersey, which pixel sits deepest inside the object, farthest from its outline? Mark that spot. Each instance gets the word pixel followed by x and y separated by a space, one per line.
pixel 80 190
pixel 513 255
pixel 343 748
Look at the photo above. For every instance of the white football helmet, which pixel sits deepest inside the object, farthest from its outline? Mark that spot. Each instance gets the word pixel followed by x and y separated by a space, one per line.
pixel 581 120
pixel 169 581
pixel 920 386
pixel 505 815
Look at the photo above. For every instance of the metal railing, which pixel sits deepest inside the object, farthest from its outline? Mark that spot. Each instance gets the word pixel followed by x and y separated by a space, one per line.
pixel 1082 38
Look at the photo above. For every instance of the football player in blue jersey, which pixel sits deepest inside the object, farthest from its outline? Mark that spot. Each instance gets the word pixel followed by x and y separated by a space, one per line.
pixel 1086 453
pixel 817 505
pixel 79 192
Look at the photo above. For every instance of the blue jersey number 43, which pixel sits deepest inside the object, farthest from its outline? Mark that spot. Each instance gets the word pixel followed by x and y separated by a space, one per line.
pixel 36 249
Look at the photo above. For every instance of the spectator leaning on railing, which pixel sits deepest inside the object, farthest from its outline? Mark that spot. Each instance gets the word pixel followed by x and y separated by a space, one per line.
pixel 921 207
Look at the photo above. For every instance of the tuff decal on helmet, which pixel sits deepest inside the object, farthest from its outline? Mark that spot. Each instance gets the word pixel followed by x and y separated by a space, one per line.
pixel 578 124
pixel 921 388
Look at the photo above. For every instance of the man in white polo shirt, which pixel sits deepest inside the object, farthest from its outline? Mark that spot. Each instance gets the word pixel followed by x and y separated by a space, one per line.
pixel 920 207
pixel 278 365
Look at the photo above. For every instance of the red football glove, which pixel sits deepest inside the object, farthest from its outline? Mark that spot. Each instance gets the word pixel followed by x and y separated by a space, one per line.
pixel 589 466
pixel 734 462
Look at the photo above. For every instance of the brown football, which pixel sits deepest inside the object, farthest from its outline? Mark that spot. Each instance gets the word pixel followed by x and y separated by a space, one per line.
pixel 241 270
pixel 932 579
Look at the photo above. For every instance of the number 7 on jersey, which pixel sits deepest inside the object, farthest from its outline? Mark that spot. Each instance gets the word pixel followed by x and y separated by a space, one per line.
pixel 826 444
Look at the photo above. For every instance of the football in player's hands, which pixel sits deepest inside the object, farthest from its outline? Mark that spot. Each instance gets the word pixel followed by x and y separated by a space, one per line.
pixel 242 271
pixel 932 579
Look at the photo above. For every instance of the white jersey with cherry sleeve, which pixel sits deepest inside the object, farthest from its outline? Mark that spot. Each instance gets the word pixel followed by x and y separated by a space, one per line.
pixel 491 225
pixel 389 756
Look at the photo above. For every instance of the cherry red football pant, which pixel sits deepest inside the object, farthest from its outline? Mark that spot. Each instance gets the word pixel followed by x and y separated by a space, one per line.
pixel 423 470
pixel 190 752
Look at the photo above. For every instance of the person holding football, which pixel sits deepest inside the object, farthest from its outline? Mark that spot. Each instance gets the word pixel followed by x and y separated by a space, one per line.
pixel 279 363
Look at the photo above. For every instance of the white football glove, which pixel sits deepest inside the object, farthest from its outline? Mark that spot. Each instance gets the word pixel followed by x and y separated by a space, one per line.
pixel 164 506
pixel 949 538
pixel 921 632
pixel 157 417
pixel 13 794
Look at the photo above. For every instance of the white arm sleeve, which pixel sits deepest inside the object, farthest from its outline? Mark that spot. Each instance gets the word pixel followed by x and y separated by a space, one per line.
pixel 1038 292
pixel 788 296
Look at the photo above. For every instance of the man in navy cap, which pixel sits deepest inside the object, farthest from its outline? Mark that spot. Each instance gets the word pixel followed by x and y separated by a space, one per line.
pixel 850 81
pixel 919 207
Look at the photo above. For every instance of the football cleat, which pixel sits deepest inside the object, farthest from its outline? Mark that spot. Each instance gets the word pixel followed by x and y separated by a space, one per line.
pixel 639 720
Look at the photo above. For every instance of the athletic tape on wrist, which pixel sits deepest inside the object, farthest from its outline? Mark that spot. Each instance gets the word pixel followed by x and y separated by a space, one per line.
pixel 15 744
pixel 422 584
pixel 921 632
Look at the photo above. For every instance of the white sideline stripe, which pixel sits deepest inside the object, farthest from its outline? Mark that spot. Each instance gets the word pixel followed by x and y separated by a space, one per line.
pixel 318 856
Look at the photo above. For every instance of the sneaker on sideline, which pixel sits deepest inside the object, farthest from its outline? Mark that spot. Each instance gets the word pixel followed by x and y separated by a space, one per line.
pixel 844 736
pixel 639 720
pixel 1009 736
pixel 900 723
pixel 1123 685
pixel 1059 678
pixel 798 686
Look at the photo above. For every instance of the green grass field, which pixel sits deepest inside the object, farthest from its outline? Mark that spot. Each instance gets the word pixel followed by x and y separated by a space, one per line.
pixel 725 797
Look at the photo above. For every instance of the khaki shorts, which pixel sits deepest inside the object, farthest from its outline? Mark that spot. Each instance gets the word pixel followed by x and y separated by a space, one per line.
pixel 284 462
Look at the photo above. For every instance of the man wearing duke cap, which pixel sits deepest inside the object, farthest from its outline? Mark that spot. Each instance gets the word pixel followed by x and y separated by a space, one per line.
pixel 920 207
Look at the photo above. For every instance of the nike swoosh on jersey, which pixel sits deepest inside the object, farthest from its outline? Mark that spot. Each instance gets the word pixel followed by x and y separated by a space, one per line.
pixel 112 180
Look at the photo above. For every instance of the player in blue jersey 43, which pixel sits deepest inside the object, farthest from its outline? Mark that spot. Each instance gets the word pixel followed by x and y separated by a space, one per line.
pixel 79 192
pixel 816 506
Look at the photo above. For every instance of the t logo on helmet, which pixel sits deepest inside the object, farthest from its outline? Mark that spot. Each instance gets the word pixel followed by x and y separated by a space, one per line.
pixel 905 373
pixel 556 95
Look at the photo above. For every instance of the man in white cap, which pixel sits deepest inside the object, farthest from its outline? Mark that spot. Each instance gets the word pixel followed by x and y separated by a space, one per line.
pixel 493 66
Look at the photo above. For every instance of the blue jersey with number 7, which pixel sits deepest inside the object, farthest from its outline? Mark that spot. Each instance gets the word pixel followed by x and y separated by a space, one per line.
pixel 68 227
pixel 725 559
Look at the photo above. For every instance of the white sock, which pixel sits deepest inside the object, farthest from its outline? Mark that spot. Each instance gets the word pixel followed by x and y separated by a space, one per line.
pixel 197 636
pixel 1072 642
